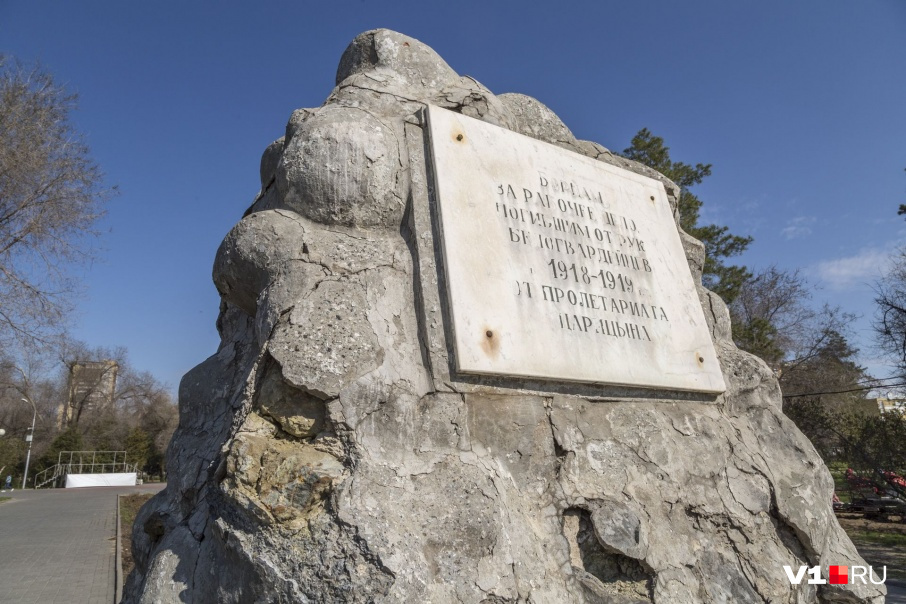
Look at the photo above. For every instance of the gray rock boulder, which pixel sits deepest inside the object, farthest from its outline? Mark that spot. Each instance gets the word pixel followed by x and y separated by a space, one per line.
pixel 328 452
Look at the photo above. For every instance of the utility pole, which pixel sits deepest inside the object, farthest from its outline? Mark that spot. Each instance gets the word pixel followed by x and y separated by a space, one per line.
pixel 28 439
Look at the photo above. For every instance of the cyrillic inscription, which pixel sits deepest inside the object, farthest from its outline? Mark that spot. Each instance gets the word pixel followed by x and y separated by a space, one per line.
pixel 562 267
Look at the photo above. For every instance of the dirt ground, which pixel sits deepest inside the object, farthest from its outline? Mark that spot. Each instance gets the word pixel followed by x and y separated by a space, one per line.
pixel 880 543
pixel 129 506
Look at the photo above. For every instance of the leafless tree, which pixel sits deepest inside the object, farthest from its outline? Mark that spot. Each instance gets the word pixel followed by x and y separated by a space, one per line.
pixel 138 401
pixel 51 197
pixel 773 318
pixel 22 381
pixel 890 320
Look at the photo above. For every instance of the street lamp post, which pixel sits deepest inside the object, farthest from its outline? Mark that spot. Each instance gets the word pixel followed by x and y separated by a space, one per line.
pixel 28 439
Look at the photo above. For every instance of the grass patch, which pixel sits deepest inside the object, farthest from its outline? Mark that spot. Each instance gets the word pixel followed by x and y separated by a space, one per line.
pixel 880 543
pixel 877 538
pixel 129 507
pixel 2 499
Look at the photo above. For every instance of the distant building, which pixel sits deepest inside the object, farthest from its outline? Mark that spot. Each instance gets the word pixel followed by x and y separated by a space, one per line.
pixel 887 405
pixel 92 387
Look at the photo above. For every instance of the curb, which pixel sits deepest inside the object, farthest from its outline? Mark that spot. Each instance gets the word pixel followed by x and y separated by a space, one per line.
pixel 118 570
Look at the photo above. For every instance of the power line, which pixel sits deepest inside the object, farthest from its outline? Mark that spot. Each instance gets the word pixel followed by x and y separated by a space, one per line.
pixel 863 389
pixel 871 380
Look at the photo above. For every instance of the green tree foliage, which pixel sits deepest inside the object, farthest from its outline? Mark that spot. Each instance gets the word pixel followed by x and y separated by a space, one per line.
pixel 12 458
pixel 873 446
pixel 723 279
pixel 831 379
pixel 139 447
pixel 831 367
pixel 817 422
pixel 140 405
pixel 825 396
pixel 67 440
pixel 758 336
pixel 823 386
pixel 104 431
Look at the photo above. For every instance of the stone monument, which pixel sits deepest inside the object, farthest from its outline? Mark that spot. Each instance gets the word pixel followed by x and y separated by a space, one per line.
pixel 467 357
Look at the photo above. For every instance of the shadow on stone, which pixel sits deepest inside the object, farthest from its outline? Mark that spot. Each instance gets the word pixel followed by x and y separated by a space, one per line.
pixel 606 577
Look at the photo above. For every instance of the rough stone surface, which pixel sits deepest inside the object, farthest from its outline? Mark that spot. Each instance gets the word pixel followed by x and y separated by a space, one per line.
pixel 533 118
pixel 317 177
pixel 328 452
pixel 385 51
pixel 269 160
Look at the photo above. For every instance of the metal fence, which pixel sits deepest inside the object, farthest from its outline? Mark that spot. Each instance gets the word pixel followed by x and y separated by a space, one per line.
pixel 92 462
pixel 83 462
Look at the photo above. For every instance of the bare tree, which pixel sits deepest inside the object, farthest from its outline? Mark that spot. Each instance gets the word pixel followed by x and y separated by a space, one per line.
pixel 137 400
pixel 129 410
pixel 25 381
pixel 51 197
pixel 890 320
pixel 28 378
pixel 773 319
pixel 824 388
pixel 770 317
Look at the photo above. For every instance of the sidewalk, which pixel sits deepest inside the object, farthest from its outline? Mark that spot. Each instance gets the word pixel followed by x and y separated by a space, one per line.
pixel 58 545
pixel 896 592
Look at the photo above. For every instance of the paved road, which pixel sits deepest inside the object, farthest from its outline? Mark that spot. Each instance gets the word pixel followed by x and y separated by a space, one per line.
pixel 896 592
pixel 58 545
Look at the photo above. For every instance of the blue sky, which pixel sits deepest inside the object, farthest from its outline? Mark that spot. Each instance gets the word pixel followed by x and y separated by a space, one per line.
pixel 799 106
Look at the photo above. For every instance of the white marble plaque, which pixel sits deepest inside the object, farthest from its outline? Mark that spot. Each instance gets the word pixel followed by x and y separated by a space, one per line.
pixel 562 267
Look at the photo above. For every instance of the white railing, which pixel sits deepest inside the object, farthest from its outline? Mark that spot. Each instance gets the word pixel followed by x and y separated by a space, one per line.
pixel 83 462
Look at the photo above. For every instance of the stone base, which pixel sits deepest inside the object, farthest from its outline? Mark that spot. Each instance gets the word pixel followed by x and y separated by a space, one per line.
pixel 329 452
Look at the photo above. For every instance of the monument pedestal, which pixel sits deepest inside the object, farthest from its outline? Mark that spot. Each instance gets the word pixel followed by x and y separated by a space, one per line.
pixel 467 358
